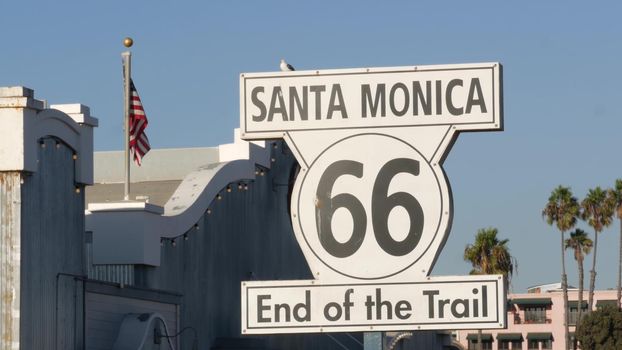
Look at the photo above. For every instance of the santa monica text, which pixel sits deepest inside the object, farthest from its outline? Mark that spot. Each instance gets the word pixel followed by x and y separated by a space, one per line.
pixel 418 98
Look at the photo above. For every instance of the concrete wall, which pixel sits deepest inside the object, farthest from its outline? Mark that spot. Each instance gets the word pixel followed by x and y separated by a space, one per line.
pixel 10 256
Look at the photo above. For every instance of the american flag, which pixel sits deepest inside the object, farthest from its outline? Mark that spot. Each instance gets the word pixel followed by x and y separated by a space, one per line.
pixel 139 143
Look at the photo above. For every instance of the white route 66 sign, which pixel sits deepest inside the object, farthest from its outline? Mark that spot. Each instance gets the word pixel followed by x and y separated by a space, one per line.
pixel 371 207
pixel 372 201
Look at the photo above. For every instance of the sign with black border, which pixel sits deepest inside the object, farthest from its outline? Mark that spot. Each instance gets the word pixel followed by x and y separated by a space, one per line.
pixel 465 95
pixel 458 302
pixel 371 207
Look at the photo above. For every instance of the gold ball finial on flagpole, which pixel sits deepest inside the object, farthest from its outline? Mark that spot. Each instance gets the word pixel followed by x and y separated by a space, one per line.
pixel 128 42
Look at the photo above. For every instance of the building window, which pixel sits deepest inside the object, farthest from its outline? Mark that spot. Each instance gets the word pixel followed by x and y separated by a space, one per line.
pixel 573 315
pixel 601 303
pixel 486 345
pixel 535 314
pixel 515 345
pixel 535 344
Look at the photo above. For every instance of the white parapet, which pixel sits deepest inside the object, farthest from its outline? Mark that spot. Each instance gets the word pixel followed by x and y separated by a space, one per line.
pixel 241 149
pixel 24 121
pixel 28 121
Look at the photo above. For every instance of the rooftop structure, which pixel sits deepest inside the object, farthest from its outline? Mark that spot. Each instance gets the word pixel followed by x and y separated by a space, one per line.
pixel 551 287
pixel 154 181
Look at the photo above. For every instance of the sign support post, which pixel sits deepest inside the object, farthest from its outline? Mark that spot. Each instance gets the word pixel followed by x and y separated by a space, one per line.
pixel 373 341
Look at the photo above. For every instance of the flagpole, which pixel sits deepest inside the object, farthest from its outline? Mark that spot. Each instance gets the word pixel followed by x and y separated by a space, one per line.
pixel 127 70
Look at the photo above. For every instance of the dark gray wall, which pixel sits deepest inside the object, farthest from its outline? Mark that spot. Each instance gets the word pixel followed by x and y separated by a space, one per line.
pixel 52 225
pixel 247 236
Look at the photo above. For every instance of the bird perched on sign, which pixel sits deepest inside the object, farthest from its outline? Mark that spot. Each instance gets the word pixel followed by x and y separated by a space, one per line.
pixel 286 67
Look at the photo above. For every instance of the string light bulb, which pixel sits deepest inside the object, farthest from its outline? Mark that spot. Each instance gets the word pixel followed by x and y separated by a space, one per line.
pixel 185 236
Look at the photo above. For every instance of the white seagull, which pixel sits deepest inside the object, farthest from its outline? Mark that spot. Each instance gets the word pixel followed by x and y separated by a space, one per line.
pixel 286 67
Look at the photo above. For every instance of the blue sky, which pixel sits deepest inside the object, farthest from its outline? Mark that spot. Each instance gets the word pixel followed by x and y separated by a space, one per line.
pixel 561 88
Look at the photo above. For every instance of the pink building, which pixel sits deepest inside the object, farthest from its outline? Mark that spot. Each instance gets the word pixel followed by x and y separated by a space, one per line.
pixel 535 320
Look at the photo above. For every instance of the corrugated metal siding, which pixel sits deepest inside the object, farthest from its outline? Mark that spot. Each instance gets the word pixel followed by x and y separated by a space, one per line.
pixel 52 243
pixel 123 274
pixel 247 236
pixel 10 205
pixel 104 314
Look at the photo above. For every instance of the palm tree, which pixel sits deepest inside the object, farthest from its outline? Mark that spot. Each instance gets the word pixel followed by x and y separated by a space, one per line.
pixel 615 198
pixel 581 245
pixel 488 255
pixel 562 209
pixel 598 212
